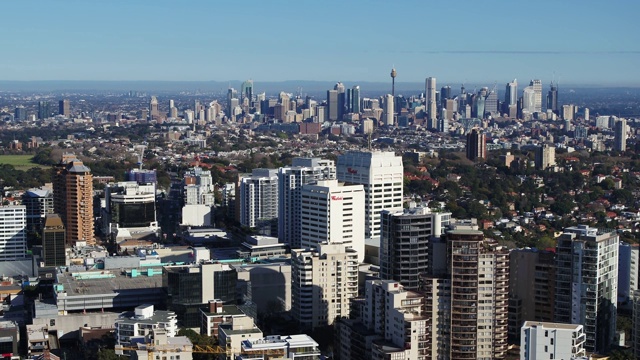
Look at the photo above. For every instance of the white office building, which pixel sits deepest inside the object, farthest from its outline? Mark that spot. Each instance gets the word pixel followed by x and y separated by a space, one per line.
pixel 332 213
pixel 143 322
pixel 302 171
pixel 544 340
pixel 381 174
pixel 13 240
pixel 259 200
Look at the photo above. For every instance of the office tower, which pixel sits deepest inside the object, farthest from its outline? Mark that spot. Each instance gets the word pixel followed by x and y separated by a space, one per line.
pixel 586 114
pixel 491 103
pixel 43 110
pixel 332 104
pixel 324 280
pixel 511 93
pixel 445 94
pixel 390 324
pixel 431 103
pixel 142 176
pixel 393 82
pixel 552 99
pixel 355 99
pixel 569 111
pixel 382 175
pixel 259 201
pixel 348 103
pixel 332 213
pixel 587 283
pixel 64 108
pixel 476 145
pixel 537 90
pixel 39 203
pixel 290 181
pixel 532 283
pixel 131 207
pixel 20 113
pixel 388 110
pixel 190 288
pixel 73 199
pixel 53 241
pixel 545 157
pixel 339 87
pixel 620 140
pixel 404 243
pixel 13 239
pixel 246 90
pixel 232 94
pixel 153 108
pixel 528 100
pixel 547 340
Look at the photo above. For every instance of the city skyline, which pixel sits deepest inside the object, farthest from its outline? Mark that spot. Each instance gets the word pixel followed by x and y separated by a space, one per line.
pixel 348 42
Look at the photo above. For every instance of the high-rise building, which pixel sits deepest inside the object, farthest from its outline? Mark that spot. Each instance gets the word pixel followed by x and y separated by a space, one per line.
pixel 324 280
pixel 302 171
pixel 332 104
pixel 511 93
pixel 20 113
pixel 431 103
pixel 491 103
pixel 545 157
pixel 232 101
pixel 246 91
pixel 129 206
pixel 620 132
pixel 476 145
pixel 340 102
pixel 13 233
pixel 44 112
pixel 569 111
pixel 404 243
pixel 259 201
pixel 64 108
pixel 552 99
pixel 532 283
pixel 355 99
pixel 388 110
pixel 53 241
pixel 468 304
pixel 73 199
pixel 445 94
pixel 587 283
pixel 332 213
pixel 546 340
pixel 382 175
pixel 528 100
pixel 537 91
pixel 39 203
pixel 153 108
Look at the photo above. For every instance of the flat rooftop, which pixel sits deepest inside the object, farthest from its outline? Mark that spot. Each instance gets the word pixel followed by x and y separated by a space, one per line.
pixel 75 287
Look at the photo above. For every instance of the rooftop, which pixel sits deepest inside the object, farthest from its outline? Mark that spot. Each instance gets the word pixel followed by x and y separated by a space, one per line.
pixel 106 285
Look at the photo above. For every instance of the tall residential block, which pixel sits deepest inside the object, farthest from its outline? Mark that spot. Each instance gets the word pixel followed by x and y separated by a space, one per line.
pixel 332 213
pixel 73 199
pixel 13 239
pixel 587 283
pixel 545 340
pixel 431 102
pixel 302 171
pixel 64 108
pixel 381 174
pixel 323 283
pixel 476 145
pixel 404 243
pixel 545 157
pixel 53 241
pixel 536 86
pixel 259 200
pixel 620 135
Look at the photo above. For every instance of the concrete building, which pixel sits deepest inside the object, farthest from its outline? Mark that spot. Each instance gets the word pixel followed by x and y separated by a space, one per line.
pixel 216 314
pixel 536 85
pixel 587 283
pixel 545 157
pixel 198 187
pixel 404 243
pixel 302 171
pixel 13 233
pixel 9 339
pixel 158 345
pixel 332 213
pixel 53 241
pixel 382 175
pixel 323 283
pixel 532 279
pixel 476 145
pixel 259 201
pixel 545 340
pixel 431 102
pixel 39 203
pixel 620 132
pixel 129 207
pixel 268 284
pixel 300 346
pixel 141 323
pixel 73 199
pixel 232 334
pixel 389 118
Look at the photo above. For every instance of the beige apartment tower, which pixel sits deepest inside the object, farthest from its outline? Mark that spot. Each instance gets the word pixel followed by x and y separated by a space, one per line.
pixel 73 199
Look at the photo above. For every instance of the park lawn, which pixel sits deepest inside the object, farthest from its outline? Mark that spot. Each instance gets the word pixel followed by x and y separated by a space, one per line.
pixel 20 162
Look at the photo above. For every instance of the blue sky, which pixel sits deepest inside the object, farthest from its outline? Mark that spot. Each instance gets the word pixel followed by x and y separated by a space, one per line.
pixel 581 42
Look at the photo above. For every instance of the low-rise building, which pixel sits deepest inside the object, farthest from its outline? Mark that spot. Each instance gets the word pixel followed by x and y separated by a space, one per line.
pixel 142 322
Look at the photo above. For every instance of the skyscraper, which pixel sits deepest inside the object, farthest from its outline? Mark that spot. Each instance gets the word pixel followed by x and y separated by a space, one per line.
pixel 290 181
pixel 246 91
pixel 382 174
pixel 13 239
pixel 259 201
pixel 153 108
pixel 331 213
pixel 445 93
pixel 20 113
pixel 620 140
pixel 552 99
pixel 404 243
pixel 43 110
pixel 528 100
pixel 537 91
pixel 432 105
pixel 545 157
pixel 39 203
pixel 476 145
pixel 53 241
pixel 73 199
pixel 355 99
pixel 332 103
pixel 511 93
pixel 339 87
pixel 587 283
pixel 388 110
pixel 64 108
